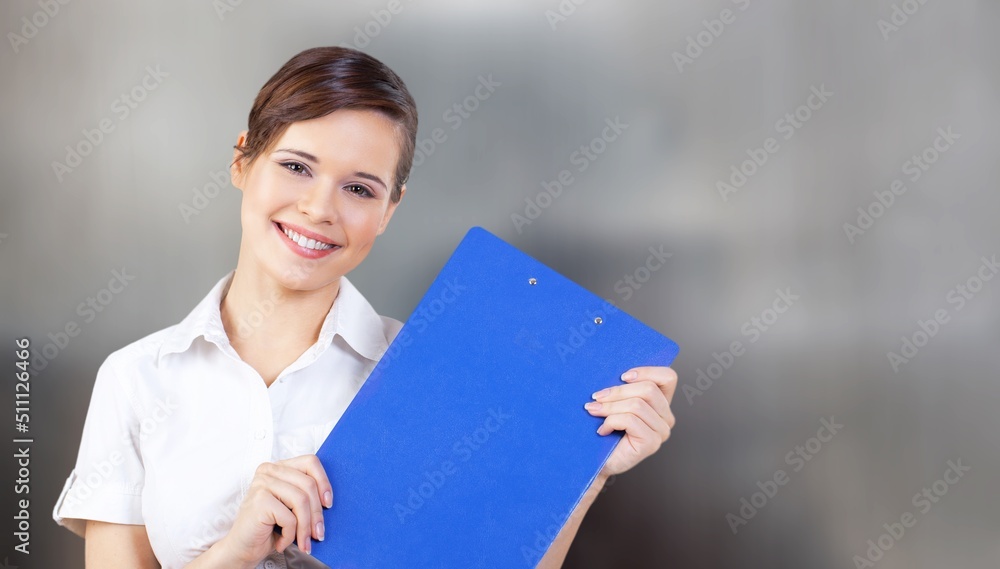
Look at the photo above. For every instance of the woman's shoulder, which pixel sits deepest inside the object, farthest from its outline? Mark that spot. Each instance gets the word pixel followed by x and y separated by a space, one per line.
pixel 140 353
pixel 203 319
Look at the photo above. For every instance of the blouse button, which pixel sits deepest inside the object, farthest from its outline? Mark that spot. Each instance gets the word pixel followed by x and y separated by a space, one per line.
pixel 259 434
pixel 270 564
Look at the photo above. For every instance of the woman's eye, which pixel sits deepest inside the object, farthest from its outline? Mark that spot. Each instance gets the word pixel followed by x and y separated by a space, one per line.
pixel 291 167
pixel 360 190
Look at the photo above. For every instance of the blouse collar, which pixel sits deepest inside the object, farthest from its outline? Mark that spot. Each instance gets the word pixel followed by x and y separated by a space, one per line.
pixel 351 317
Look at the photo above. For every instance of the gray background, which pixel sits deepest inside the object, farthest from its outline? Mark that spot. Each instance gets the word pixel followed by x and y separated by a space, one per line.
pixel 653 186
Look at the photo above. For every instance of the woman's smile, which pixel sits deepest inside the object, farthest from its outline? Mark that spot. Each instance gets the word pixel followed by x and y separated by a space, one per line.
pixel 304 242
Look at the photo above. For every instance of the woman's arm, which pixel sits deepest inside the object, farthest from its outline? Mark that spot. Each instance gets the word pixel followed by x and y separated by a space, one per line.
pixel 121 546
pixel 556 554
pixel 114 546
pixel 641 408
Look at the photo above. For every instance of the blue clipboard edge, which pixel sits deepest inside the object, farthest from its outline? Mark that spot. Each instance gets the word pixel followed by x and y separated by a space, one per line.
pixel 673 351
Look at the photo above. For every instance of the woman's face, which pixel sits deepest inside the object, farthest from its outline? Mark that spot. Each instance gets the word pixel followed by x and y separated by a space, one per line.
pixel 314 203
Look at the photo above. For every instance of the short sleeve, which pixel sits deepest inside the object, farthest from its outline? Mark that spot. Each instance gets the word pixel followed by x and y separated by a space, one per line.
pixel 106 482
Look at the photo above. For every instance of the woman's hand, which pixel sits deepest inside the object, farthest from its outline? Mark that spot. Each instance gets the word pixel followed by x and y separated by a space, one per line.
pixel 290 493
pixel 641 408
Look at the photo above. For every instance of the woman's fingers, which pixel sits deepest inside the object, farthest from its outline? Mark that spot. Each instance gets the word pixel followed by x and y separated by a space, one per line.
pixel 642 438
pixel 312 489
pixel 664 377
pixel 310 465
pixel 646 391
pixel 296 500
pixel 300 484
pixel 284 518
pixel 637 407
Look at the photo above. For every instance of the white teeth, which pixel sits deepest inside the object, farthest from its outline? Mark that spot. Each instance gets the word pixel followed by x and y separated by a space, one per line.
pixel 305 242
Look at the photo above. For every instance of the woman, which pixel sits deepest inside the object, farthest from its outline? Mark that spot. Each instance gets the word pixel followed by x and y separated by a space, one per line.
pixel 200 438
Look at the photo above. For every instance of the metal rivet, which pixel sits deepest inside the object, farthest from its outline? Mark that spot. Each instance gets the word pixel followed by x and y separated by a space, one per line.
pixel 532 281
pixel 598 320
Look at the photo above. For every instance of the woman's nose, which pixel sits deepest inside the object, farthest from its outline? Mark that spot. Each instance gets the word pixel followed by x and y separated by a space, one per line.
pixel 319 204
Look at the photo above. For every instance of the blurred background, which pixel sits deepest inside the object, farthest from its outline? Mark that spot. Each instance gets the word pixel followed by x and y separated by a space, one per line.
pixel 887 106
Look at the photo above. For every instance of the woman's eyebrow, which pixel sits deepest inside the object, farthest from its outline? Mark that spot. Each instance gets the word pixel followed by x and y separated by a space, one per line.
pixel 308 156
pixel 305 155
pixel 371 177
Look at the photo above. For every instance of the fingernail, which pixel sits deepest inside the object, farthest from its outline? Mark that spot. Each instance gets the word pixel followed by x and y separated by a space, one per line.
pixel 308 549
pixel 629 375
pixel 328 499
pixel 319 531
pixel 599 394
pixel 592 406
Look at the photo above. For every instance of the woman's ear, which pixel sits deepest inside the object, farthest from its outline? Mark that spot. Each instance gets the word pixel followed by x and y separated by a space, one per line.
pixel 390 210
pixel 237 171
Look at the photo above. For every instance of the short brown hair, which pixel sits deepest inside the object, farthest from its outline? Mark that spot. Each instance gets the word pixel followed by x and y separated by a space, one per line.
pixel 320 80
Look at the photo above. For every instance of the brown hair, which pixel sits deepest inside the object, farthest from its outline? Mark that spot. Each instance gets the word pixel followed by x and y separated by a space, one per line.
pixel 320 80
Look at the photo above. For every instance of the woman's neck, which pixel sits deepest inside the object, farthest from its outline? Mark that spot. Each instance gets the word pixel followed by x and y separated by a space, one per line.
pixel 259 311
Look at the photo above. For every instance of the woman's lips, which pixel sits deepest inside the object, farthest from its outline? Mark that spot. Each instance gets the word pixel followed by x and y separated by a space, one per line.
pixel 308 234
pixel 307 252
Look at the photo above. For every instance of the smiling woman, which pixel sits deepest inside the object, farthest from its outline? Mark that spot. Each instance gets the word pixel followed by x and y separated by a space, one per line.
pixel 200 438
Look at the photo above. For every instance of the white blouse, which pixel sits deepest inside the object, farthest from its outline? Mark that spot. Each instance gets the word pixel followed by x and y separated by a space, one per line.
pixel 178 423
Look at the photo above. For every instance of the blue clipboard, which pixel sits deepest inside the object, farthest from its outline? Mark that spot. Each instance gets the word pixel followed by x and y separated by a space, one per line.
pixel 468 445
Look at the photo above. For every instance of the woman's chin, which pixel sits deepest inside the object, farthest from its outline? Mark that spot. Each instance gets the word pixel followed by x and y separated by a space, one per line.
pixel 303 278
